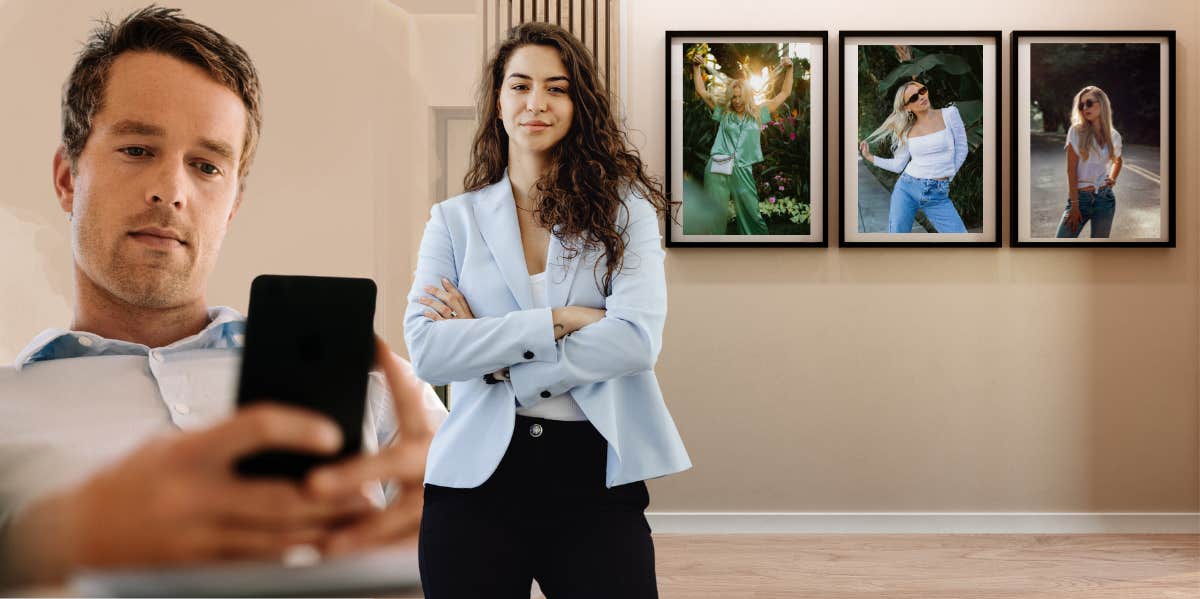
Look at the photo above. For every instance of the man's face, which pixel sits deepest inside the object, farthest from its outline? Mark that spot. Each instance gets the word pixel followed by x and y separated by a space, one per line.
pixel 156 185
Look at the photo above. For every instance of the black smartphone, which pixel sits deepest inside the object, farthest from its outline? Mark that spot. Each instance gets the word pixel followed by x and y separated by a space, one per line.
pixel 310 343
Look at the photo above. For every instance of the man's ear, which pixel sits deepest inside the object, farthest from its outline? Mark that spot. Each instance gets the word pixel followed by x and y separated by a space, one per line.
pixel 237 203
pixel 64 180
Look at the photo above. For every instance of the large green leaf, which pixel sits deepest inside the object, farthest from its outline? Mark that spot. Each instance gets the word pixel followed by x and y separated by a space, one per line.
pixel 975 137
pixel 971 111
pixel 954 65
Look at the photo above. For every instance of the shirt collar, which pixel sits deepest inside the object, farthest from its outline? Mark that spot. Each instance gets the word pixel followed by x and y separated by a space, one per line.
pixel 226 330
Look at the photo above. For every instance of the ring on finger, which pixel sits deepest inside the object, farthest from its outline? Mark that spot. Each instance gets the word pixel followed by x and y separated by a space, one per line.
pixel 453 314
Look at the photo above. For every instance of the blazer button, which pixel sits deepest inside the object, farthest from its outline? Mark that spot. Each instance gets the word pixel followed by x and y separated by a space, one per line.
pixel 545 394
pixel 535 431
pixel 528 355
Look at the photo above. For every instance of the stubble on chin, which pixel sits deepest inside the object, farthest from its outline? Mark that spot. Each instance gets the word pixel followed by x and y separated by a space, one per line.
pixel 140 278
pixel 149 285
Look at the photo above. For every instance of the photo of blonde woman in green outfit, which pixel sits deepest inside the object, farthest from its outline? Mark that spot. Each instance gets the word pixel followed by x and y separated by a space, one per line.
pixel 737 146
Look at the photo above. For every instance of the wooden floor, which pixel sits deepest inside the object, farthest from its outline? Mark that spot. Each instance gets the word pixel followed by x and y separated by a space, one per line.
pixel 913 567
pixel 928 566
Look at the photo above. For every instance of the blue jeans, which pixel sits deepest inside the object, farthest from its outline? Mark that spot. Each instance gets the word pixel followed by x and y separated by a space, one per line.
pixel 930 196
pixel 1097 206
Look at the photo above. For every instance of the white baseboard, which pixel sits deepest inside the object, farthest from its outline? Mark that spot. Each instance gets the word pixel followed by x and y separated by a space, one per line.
pixel 922 523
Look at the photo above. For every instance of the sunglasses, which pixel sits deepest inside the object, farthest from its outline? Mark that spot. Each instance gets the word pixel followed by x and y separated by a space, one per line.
pixel 1088 103
pixel 913 98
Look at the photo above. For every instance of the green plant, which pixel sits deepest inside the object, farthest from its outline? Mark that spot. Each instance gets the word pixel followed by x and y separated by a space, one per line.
pixel 785 207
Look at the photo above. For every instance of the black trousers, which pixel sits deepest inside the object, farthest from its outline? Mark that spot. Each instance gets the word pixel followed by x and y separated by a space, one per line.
pixel 544 514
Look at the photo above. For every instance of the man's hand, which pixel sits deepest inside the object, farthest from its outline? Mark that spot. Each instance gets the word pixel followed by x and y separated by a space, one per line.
pixel 177 499
pixel 401 462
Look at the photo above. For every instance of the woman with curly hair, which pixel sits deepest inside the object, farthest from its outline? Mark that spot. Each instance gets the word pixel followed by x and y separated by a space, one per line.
pixel 540 298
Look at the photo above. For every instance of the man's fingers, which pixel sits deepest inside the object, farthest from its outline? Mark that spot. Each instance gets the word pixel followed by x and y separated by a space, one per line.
pixel 240 542
pixel 267 426
pixel 397 524
pixel 402 462
pixel 408 394
pixel 283 504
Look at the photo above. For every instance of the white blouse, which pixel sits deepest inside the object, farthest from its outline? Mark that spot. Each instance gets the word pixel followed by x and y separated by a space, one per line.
pixel 558 407
pixel 1093 171
pixel 933 156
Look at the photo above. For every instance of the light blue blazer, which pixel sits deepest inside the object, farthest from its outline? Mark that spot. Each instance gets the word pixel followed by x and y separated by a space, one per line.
pixel 607 367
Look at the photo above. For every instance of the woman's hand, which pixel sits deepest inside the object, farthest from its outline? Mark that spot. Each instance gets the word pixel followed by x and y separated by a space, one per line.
pixel 865 150
pixel 450 302
pixel 697 60
pixel 1109 181
pixel 1074 218
pixel 569 319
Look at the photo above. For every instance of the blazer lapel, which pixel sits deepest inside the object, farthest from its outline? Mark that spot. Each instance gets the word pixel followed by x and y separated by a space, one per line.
pixel 496 215
pixel 560 272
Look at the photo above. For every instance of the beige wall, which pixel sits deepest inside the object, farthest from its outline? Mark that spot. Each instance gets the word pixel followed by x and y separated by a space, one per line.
pixel 802 380
pixel 926 379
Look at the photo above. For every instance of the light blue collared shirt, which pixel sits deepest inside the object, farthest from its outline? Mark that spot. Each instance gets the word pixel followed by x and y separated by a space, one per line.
pixel 74 402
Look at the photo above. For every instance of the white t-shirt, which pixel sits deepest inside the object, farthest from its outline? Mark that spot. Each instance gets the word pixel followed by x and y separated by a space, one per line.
pixel 1093 171
pixel 558 407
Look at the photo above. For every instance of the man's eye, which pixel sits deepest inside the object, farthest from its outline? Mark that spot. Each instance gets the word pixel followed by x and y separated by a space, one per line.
pixel 135 151
pixel 208 169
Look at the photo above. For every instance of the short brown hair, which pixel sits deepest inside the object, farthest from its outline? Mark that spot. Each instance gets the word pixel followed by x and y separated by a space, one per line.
pixel 167 31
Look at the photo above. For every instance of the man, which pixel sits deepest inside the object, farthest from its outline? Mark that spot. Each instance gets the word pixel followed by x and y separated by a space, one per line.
pixel 116 439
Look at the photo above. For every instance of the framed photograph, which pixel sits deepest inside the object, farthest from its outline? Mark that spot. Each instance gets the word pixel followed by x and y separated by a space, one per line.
pixel 920 156
pixel 1093 138
pixel 746 138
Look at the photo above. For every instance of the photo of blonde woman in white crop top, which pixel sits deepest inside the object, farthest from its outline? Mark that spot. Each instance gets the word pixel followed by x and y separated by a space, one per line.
pixel 928 146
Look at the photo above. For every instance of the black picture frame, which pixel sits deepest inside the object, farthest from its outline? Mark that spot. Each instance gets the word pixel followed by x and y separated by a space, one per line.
pixel 1017 140
pixel 992 240
pixel 818 231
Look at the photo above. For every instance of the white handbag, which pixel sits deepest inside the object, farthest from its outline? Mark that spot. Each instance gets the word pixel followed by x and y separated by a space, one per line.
pixel 722 164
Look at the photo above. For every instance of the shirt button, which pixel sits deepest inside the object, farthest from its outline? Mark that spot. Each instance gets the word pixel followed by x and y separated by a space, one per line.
pixel 156 356
pixel 545 394
pixel 183 408
pixel 535 431
pixel 528 355
pixel 85 341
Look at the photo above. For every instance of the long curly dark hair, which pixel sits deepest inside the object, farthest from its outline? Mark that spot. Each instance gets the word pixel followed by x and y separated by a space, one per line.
pixel 590 169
